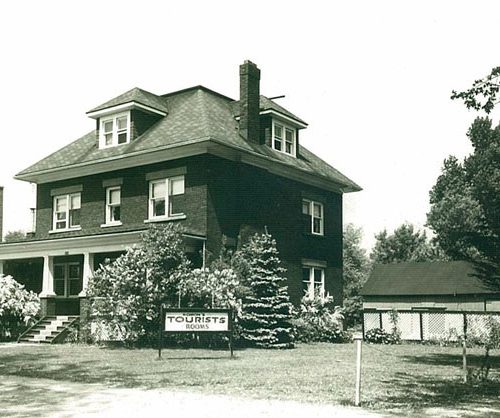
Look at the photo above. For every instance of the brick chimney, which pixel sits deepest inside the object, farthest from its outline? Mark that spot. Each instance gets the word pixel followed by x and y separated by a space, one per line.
pixel 1 213
pixel 249 101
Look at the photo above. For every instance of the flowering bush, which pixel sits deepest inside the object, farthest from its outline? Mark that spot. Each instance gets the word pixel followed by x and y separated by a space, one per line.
pixel 18 308
pixel 210 288
pixel 319 320
pixel 126 294
pixel 380 336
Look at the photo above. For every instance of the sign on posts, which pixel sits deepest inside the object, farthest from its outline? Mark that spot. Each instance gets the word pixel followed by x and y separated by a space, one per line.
pixel 196 320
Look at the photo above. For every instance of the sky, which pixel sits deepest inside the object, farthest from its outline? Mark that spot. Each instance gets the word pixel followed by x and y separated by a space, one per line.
pixel 372 79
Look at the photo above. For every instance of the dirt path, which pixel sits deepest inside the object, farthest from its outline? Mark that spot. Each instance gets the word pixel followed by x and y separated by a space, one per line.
pixel 29 397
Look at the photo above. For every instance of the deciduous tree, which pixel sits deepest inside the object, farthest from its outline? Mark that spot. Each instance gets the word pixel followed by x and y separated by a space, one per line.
pixel 465 202
pixel 404 244
pixel 356 269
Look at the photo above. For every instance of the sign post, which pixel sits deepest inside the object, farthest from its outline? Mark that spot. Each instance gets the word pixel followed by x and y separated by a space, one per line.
pixel 195 321
pixel 358 338
pixel 160 332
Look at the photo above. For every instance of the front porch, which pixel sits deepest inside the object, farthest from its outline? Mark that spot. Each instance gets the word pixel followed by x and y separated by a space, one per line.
pixel 60 269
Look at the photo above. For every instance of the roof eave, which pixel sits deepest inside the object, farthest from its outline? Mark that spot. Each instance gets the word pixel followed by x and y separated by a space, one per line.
pixel 195 147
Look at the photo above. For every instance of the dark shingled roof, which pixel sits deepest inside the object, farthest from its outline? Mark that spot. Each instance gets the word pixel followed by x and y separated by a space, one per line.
pixel 429 278
pixel 135 95
pixel 194 115
pixel 267 104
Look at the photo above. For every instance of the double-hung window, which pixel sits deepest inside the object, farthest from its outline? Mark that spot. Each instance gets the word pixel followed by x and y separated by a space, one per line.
pixel 314 216
pixel 313 281
pixel 67 211
pixel 113 204
pixel 164 197
pixel 115 130
pixel 284 138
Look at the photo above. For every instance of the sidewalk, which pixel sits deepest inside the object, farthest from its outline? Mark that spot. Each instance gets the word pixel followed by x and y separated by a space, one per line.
pixel 29 397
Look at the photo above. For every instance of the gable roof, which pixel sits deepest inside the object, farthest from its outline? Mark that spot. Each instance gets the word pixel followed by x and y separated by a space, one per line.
pixel 134 95
pixel 195 116
pixel 425 278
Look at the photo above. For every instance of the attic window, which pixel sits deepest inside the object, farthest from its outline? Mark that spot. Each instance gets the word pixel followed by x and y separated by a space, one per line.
pixel 114 130
pixel 284 138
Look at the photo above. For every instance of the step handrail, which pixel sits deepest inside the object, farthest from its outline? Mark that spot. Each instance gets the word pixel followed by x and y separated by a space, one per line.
pixel 30 328
pixel 63 332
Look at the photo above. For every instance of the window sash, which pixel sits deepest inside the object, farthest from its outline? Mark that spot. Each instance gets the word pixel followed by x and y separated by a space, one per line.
pixel 161 194
pixel 313 280
pixel 66 211
pixel 115 130
pixel 315 212
pixel 284 138
pixel 113 204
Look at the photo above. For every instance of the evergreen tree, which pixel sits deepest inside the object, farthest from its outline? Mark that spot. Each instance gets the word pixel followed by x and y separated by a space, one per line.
pixel 267 311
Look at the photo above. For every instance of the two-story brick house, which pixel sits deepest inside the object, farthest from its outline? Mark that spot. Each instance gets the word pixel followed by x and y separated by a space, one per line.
pixel 217 166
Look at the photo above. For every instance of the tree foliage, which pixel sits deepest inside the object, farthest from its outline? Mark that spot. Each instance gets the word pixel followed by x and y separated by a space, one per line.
pixel 356 270
pixel 483 94
pixel 404 244
pixel 127 293
pixel 266 312
pixel 18 307
pixel 210 287
pixel 465 201
pixel 15 236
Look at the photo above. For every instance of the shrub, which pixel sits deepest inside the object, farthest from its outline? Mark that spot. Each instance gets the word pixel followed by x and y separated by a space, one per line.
pixel 380 336
pixel 19 308
pixel 318 320
pixel 126 294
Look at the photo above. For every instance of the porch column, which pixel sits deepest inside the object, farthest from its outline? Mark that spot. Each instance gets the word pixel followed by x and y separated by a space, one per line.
pixel 88 271
pixel 47 297
pixel 48 277
pixel 1 267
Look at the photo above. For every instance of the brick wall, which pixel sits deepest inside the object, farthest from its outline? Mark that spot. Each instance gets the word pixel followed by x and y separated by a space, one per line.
pixel 222 198
pixel 245 199
pixel 134 200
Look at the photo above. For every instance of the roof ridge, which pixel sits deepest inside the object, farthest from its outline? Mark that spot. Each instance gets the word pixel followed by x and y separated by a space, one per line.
pixel 197 87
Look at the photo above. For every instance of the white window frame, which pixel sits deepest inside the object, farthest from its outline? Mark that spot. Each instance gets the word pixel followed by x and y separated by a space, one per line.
pixel 311 288
pixel 115 131
pixel 312 204
pixel 284 129
pixel 66 220
pixel 110 206
pixel 168 188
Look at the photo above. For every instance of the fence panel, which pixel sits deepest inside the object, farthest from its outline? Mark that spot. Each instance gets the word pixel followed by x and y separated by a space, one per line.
pixel 371 320
pixel 442 325
pixel 426 326
pixel 409 325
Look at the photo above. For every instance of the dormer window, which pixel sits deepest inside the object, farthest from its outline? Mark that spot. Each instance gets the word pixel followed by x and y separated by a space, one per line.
pixel 284 138
pixel 115 130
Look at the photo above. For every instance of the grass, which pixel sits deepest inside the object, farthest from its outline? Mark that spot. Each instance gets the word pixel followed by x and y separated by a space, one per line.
pixel 396 379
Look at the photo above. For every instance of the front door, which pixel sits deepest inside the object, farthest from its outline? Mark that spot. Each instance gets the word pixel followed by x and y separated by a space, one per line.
pixel 67 285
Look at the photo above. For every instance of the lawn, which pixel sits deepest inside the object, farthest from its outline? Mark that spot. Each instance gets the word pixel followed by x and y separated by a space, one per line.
pixel 395 379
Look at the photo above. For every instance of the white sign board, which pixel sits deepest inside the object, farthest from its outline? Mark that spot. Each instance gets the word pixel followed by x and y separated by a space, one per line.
pixel 196 321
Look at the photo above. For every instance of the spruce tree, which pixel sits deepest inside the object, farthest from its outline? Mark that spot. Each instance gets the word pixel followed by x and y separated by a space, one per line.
pixel 266 311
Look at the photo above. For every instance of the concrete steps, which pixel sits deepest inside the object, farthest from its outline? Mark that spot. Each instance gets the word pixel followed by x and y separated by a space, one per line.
pixel 48 330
